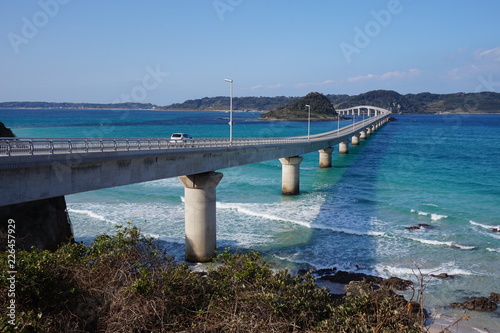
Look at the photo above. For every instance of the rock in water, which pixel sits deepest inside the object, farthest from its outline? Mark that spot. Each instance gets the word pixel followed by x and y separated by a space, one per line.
pixel 479 304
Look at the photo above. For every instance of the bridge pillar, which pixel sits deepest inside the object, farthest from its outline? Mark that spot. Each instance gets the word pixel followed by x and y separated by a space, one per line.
pixel 325 157
pixel 368 131
pixel 290 175
pixel 344 147
pixel 362 135
pixel 355 140
pixel 200 218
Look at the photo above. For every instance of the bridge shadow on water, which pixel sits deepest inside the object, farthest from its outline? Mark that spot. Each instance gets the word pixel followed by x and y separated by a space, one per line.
pixel 344 232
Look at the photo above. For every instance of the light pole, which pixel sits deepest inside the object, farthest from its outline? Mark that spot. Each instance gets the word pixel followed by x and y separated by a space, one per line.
pixel 308 123
pixel 230 110
pixel 338 123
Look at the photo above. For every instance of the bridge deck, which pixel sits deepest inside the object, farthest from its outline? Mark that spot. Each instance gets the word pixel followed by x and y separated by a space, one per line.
pixel 34 169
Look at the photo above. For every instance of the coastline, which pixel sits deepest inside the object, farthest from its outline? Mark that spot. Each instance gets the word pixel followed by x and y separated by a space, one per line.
pixel 437 322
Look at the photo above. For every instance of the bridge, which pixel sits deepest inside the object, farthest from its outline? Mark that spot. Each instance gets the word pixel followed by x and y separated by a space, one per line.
pixel 33 169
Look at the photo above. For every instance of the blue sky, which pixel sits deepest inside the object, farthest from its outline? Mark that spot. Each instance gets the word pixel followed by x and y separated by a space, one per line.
pixel 167 51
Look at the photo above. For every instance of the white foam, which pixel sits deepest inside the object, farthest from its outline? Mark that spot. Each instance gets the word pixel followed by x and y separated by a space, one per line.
pixel 278 211
pixel 90 214
pixel 485 226
pixel 487 230
pixel 440 243
pixel 436 217
pixel 430 204
pixel 247 211
pixel 450 268
pixel 493 250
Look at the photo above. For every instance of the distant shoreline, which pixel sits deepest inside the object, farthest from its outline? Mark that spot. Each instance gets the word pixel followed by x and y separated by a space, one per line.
pixel 236 111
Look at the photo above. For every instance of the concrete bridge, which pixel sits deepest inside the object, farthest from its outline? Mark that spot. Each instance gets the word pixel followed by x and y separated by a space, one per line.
pixel 33 169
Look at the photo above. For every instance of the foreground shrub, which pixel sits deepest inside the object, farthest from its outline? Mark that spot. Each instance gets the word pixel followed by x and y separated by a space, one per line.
pixel 125 283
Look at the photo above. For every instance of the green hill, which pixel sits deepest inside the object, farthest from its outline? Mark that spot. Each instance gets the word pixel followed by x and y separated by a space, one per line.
pixel 321 109
pixel 239 103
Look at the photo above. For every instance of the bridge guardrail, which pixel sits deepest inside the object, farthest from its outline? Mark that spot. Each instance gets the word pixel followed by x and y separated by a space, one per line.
pixel 43 146
pixel 35 146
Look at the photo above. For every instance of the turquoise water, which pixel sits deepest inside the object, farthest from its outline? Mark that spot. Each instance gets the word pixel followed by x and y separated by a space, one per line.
pixel 441 170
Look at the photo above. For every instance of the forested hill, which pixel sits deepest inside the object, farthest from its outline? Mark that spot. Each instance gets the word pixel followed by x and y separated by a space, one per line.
pixel 239 103
pixel 319 105
pixel 484 102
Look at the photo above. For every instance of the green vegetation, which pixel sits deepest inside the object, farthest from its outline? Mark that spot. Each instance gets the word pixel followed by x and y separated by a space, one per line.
pixel 321 108
pixel 484 102
pixel 125 283
pixel 239 103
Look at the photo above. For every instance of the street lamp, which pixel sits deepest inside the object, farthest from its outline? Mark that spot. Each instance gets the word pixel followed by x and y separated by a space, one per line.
pixel 338 123
pixel 308 123
pixel 230 110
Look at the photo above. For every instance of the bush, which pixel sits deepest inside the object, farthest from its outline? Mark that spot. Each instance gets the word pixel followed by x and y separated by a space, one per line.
pixel 125 283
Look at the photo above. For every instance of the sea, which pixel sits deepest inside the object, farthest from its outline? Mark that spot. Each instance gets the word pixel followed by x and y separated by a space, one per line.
pixel 438 171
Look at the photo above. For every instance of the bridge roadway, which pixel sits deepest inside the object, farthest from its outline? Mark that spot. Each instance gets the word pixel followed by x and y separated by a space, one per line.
pixel 33 169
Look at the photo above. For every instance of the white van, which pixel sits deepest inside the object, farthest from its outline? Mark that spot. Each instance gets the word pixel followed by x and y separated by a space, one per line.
pixel 180 138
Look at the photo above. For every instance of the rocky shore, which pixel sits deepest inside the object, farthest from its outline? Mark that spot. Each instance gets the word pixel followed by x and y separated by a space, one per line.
pixel 353 284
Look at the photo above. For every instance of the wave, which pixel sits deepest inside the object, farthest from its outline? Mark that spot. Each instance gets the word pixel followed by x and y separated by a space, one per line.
pixel 485 226
pixel 437 217
pixel 250 212
pixel 450 268
pixel 487 229
pixel 434 217
pixel 493 250
pixel 440 243
pixel 350 231
pixel 90 214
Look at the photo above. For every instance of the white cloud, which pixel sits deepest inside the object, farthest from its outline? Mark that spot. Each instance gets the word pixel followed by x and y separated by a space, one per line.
pixel 362 78
pixel 480 63
pixel 491 54
pixel 275 86
pixel 313 84
pixel 386 76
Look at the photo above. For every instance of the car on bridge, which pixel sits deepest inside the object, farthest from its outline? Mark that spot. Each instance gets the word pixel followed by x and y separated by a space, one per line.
pixel 181 138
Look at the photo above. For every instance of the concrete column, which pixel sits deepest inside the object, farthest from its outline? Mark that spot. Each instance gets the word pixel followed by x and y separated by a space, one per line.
pixel 344 147
pixel 362 135
pixel 368 131
pixel 200 218
pixel 355 140
pixel 325 157
pixel 290 175
pixel 369 112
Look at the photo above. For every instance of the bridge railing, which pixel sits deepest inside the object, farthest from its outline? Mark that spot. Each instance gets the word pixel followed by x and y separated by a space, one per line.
pixel 41 146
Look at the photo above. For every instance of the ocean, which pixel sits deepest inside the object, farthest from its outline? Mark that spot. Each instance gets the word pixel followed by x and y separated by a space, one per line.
pixel 437 170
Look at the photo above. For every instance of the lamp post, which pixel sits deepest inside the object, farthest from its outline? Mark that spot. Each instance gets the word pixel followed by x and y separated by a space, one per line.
pixel 230 110
pixel 308 123
pixel 338 123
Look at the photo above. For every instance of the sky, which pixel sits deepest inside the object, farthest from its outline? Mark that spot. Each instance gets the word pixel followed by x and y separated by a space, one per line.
pixel 168 51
